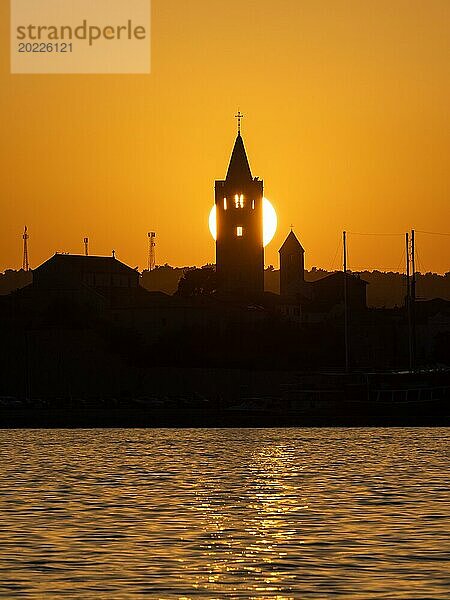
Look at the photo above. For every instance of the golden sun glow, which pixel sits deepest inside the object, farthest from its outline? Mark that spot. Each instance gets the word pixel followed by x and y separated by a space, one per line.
pixel 270 222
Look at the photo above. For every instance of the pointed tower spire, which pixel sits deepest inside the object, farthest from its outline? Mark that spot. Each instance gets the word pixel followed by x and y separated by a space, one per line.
pixel 291 244
pixel 239 169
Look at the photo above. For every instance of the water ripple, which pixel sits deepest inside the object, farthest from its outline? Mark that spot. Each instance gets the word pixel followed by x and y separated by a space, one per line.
pixel 225 513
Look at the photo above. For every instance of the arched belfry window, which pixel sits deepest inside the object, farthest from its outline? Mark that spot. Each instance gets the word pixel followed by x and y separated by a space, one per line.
pixel 239 200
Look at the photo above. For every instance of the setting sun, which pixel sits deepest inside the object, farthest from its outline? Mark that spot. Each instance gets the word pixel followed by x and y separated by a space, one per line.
pixel 270 222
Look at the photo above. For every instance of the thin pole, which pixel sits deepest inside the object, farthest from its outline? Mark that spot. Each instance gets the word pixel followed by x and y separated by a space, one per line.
pixel 344 240
pixel 407 267
pixel 86 246
pixel 413 265
pixel 408 301
pixel 413 296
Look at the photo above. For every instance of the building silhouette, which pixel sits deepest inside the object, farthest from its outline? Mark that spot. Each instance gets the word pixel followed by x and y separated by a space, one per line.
pixel 79 280
pixel 292 266
pixel 319 296
pixel 239 221
pixel 73 270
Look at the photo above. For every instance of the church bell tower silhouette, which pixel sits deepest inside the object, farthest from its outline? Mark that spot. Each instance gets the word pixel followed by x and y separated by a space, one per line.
pixel 239 224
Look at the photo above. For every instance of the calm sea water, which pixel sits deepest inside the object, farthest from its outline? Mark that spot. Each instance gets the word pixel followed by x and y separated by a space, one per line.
pixel 225 513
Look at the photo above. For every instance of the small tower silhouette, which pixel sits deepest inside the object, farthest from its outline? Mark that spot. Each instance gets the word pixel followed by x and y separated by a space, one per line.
pixel 292 266
pixel 239 220
pixel 25 263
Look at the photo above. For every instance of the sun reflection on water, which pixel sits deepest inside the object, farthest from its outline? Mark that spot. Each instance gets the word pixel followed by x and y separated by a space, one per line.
pixel 223 513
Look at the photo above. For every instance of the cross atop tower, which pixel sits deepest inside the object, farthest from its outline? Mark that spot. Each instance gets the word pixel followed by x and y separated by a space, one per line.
pixel 239 117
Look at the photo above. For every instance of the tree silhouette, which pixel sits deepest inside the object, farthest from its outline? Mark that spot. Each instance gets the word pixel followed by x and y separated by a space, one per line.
pixel 198 282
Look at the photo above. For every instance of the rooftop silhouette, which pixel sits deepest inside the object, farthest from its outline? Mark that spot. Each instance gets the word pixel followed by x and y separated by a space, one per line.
pixel 291 244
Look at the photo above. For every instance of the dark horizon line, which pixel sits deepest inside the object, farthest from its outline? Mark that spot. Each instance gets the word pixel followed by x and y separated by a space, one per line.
pixel 312 269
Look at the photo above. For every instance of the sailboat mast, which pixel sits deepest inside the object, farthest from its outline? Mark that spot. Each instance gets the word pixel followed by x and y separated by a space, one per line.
pixel 408 302
pixel 413 265
pixel 413 298
pixel 344 240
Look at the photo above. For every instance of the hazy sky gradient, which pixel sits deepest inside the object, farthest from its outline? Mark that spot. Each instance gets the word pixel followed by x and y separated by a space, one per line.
pixel 346 109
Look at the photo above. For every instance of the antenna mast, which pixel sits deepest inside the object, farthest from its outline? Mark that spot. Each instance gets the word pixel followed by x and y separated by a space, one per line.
pixel 86 246
pixel 151 250
pixel 25 263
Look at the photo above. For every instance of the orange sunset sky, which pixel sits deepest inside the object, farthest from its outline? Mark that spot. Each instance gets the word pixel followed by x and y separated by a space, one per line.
pixel 346 109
